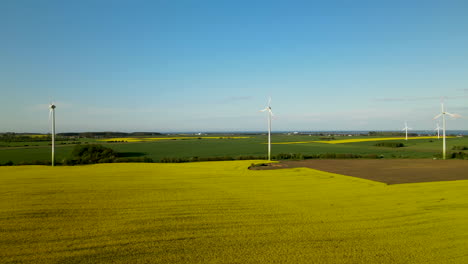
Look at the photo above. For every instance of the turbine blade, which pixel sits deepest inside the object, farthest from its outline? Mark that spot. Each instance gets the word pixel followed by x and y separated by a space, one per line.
pixel 269 101
pixel 263 110
pixel 437 116
pixel 50 118
pixel 453 115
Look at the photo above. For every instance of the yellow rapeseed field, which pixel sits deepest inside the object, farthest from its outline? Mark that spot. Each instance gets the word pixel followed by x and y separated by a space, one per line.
pixel 220 212
pixel 354 140
pixel 165 138
pixel 38 136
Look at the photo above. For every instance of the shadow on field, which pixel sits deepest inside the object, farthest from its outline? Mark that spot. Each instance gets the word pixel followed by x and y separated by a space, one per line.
pixel 130 154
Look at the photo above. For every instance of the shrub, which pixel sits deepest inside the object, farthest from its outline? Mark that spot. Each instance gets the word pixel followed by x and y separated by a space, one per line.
pixel 69 162
pixel 347 156
pixel 390 144
pixel 92 153
pixel 173 160
pixel 250 157
pixel 460 148
pixel 36 162
pixel 372 156
pixel 253 165
pixel 136 159
pixel 459 155
pixel 328 156
pixel 285 156
pixel 8 163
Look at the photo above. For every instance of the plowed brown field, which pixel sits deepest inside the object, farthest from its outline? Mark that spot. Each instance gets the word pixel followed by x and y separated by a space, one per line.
pixel 386 170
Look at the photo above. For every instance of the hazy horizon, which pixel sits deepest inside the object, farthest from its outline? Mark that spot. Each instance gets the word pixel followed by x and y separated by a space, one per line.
pixel 210 66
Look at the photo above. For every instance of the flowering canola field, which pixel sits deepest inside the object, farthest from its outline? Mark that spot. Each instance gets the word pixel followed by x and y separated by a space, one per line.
pixel 220 212
pixel 354 140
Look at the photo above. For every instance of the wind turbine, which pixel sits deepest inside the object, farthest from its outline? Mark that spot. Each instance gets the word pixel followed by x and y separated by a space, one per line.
pixel 52 113
pixel 438 130
pixel 270 114
pixel 442 114
pixel 406 129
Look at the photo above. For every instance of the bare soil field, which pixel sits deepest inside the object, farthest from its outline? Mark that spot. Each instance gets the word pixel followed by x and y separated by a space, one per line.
pixel 385 170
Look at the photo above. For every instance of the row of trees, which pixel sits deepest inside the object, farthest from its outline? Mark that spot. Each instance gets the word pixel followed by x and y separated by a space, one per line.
pixel 108 134
pixel 390 144
pixel 13 137
pixel 94 153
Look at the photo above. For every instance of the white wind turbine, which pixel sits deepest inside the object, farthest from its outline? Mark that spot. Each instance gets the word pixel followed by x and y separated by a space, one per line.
pixel 438 130
pixel 406 128
pixel 52 113
pixel 443 113
pixel 270 114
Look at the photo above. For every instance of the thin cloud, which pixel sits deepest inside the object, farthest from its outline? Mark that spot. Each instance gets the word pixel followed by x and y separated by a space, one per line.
pixel 415 99
pixel 406 99
pixel 232 99
pixel 459 108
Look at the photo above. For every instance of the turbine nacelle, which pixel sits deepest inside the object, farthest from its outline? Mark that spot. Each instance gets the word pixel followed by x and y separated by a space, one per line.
pixel 447 113
pixel 406 127
pixel 267 109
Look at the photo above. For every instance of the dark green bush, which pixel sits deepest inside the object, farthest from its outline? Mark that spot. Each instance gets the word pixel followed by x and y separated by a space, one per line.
pixel 460 148
pixel 135 159
pixel 36 162
pixel 372 156
pixel 390 144
pixel 253 165
pixel 92 153
pixel 250 157
pixel 459 155
pixel 173 160
pixel 8 163
pixel 285 156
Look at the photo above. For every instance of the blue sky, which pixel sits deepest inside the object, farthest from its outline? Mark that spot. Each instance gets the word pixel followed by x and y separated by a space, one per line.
pixel 211 65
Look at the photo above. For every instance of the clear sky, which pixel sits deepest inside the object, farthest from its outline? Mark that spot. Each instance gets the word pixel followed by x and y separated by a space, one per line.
pixel 210 65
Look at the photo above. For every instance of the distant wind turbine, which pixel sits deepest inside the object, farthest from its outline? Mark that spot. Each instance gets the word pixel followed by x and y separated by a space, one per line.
pixel 442 114
pixel 270 114
pixel 438 130
pixel 406 128
pixel 52 113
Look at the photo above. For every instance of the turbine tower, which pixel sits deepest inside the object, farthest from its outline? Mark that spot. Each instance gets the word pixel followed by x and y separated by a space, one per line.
pixel 438 130
pixel 443 114
pixel 52 113
pixel 406 130
pixel 270 114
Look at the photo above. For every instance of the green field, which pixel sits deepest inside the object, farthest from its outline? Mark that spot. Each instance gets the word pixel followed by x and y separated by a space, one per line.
pixel 220 212
pixel 187 148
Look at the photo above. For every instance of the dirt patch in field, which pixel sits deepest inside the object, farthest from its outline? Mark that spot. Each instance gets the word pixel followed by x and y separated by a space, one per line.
pixel 390 171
